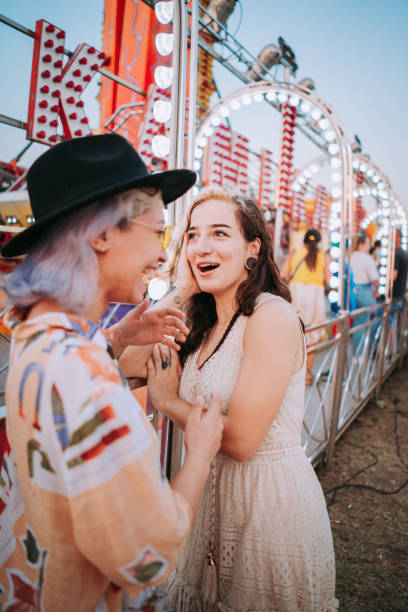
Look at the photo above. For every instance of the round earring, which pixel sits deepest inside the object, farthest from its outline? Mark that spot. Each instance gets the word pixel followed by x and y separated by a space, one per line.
pixel 250 263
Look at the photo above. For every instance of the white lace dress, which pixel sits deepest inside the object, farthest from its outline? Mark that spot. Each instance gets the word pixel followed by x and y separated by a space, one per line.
pixel 273 543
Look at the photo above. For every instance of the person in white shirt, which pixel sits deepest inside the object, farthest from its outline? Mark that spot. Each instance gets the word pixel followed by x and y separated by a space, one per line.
pixel 366 277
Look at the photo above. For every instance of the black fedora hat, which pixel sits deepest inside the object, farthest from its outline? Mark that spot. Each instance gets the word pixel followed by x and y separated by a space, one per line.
pixel 79 171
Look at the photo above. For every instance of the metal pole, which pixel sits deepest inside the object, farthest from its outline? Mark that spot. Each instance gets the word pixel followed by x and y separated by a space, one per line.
pixel 192 84
pixel 176 160
pixel 384 338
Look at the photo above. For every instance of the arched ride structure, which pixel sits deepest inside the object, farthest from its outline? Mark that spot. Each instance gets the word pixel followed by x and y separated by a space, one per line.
pixel 348 373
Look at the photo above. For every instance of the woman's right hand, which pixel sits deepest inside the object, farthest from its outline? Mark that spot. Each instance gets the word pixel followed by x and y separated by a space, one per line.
pixel 203 430
pixel 184 276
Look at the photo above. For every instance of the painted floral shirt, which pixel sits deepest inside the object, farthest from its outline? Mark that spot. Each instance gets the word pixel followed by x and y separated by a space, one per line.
pixel 84 509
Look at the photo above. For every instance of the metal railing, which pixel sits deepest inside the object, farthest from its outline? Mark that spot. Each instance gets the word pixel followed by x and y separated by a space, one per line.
pixel 362 349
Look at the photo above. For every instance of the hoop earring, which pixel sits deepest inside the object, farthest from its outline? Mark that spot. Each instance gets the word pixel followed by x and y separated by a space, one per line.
pixel 250 263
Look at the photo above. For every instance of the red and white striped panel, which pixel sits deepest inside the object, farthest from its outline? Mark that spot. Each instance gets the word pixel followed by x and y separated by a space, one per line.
pixel 299 211
pixel 358 206
pixel 240 159
pixel 266 187
pixel 285 193
pixel 320 213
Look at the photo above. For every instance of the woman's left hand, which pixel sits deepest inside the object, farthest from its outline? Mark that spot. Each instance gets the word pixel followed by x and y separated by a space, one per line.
pixel 163 376
pixel 142 327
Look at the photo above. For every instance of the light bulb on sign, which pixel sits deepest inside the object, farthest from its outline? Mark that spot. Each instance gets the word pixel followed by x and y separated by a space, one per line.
pixel 314 168
pixel 235 105
pixel 381 290
pixel 294 100
pixel 382 280
pixel 334 267
pixel 282 97
pixel 164 43
pixel 333 148
pixel 258 97
pixel 383 270
pixel 164 12
pixel 305 107
pixel 333 296
pixel 329 135
pixel 216 120
pixel 336 192
pixel 163 76
pixel 207 131
pixel 246 100
pixel 324 124
pixel 335 252
pixel 335 237
pixel 224 111
pixel 316 114
pixel 270 96
pixel 160 146
pixel 333 282
pixel 162 111
pixel 157 288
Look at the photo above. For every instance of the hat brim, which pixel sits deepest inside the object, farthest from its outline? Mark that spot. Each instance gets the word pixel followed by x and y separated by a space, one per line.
pixel 172 184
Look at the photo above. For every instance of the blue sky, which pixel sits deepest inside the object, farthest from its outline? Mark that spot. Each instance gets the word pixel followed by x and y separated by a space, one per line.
pixel 355 51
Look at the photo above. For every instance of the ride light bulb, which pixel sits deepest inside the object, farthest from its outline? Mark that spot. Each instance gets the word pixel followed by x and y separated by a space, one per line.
pixel 164 12
pixel 164 43
pixel 162 111
pixel 161 146
pixel 163 76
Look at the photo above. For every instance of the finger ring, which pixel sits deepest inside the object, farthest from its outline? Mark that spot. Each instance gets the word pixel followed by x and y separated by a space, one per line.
pixel 165 363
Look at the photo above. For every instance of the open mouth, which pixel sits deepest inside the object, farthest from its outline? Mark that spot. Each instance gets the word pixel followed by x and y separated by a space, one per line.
pixel 207 267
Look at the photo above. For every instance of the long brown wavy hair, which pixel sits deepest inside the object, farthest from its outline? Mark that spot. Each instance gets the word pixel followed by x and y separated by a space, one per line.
pixel 201 314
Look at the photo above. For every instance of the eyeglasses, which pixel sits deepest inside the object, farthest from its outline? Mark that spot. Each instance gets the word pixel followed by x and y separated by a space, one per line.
pixel 164 235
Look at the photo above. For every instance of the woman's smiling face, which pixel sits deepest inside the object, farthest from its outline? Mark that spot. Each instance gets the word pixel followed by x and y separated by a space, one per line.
pixel 216 248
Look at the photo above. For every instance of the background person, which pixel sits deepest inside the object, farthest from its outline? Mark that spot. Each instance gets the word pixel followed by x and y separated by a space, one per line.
pixel 306 271
pixel 374 252
pixel 89 511
pixel 399 286
pixel 366 278
pixel 261 539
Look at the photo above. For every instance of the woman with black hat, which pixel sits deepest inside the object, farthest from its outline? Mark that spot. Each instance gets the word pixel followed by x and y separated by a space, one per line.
pixel 84 509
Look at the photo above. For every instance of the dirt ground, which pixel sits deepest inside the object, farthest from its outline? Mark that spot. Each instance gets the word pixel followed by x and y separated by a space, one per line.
pixel 370 529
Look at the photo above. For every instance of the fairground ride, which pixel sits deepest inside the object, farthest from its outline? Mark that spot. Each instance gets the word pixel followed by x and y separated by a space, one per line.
pixel 157 63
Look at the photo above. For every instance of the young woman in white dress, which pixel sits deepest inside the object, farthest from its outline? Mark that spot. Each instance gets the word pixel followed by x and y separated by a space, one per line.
pixel 261 539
